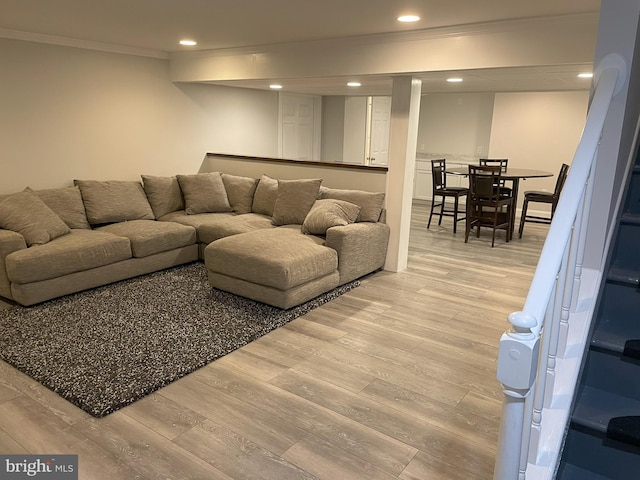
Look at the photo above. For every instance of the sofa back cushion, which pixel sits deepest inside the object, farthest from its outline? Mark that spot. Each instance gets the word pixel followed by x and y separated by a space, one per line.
pixel 67 204
pixel 327 213
pixel 370 203
pixel 264 199
pixel 163 193
pixel 204 193
pixel 26 214
pixel 240 191
pixel 294 200
pixel 114 201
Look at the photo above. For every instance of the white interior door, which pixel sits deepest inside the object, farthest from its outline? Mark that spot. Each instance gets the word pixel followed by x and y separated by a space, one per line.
pixel 380 121
pixel 299 127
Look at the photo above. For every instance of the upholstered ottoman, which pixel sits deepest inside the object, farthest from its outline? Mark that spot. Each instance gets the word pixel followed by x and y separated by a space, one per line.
pixel 280 266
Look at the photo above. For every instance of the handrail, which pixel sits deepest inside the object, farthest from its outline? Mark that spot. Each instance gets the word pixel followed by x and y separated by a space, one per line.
pixel 528 351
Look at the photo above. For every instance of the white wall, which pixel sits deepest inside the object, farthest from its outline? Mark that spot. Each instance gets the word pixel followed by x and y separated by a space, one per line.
pixel 71 113
pixel 538 130
pixel 455 124
pixel 332 128
pixel 355 126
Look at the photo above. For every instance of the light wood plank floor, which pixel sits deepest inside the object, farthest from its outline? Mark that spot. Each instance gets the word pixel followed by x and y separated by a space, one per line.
pixel 394 380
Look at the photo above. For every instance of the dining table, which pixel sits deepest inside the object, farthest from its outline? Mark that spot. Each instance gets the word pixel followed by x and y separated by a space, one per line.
pixel 510 174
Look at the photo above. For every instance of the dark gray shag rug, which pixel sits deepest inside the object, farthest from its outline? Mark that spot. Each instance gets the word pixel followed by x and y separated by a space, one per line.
pixel 105 348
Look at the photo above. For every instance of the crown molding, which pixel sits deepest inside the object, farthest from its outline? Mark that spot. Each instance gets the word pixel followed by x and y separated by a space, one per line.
pixel 85 44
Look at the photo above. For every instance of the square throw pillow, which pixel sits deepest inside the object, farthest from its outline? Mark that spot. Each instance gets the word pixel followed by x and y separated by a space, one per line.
pixel 370 203
pixel 26 214
pixel 163 193
pixel 294 200
pixel 114 201
pixel 329 213
pixel 67 204
pixel 204 193
pixel 264 199
pixel 240 191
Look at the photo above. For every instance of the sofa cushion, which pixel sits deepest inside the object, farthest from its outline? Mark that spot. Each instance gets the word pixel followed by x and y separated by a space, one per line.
pixel 26 214
pixel 240 191
pixel 294 200
pixel 281 258
pixel 163 193
pixel 149 236
pixel 204 193
pixel 264 199
pixel 329 213
pixel 114 201
pixel 195 221
pixel 67 204
pixel 227 225
pixel 370 203
pixel 78 251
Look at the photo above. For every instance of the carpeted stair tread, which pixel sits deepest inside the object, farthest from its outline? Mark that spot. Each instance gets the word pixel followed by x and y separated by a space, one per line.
pixel 105 348
pixel 632 349
pixel 595 408
pixel 625 429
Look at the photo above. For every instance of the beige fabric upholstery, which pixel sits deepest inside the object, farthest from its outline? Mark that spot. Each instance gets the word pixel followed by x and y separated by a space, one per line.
pixel 196 221
pixel 113 201
pixel 370 203
pixel 361 247
pixel 204 193
pixel 77 251
pixel 280 258
pixel 264 199
pixel 9 242
pixel 272 296
pixel 67 204
pixel 329 213
pixel 240 191
pixel 224 226
pixel 294 200
pixel 36 292
pixel 26 214
pixel 163 193
pixel 149 236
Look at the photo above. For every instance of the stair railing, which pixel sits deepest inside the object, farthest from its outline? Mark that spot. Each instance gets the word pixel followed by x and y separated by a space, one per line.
pixel 538 335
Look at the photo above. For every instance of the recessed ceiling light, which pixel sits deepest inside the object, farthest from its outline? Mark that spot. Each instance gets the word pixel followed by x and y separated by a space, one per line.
pixel 354 84
pixel 585 75
pixel 188 43
pixel 275 86
pixel 408 18
pixel 454 80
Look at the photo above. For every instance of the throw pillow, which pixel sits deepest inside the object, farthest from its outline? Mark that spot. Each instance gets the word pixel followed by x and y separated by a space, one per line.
pixel 114 201
pixel 264 198
pixel 240 191
pixel 294 200
pixel 204 193
pixel 329 213
pixel 370 203
pixel 67 204
pixel 163 193
pixel 26 214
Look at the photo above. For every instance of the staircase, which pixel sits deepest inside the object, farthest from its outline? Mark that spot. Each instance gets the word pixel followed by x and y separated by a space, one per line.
pixel 603 439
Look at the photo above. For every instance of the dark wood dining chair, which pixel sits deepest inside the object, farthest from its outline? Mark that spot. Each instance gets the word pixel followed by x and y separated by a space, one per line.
pixel 550 198
pixel 486 206
pixel 441 192
pixel 503 163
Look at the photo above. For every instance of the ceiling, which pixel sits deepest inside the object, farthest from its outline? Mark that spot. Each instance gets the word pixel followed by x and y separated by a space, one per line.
pixel 154 27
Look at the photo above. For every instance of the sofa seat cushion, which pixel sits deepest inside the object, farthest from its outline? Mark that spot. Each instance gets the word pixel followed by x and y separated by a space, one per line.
pixel 281 258
pixel 225 226
pixel 75 252
pixel 148 237
pixel 196 221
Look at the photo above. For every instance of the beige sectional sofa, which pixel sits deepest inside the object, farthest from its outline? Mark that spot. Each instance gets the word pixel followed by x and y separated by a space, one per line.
pixel 280 242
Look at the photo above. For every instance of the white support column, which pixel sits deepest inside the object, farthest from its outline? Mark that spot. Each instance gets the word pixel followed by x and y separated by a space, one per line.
pixel 403 137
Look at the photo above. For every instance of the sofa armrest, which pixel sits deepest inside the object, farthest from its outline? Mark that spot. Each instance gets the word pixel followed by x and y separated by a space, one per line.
pixel 9 242
pixel 361 247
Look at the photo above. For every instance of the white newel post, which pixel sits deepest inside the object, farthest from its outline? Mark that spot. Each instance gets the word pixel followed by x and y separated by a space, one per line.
pixel 517 365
